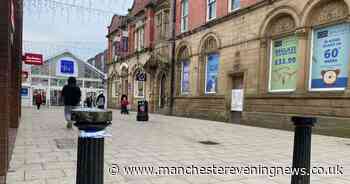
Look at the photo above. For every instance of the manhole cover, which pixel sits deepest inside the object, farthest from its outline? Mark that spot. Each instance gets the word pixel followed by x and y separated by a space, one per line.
pixel 65 143
pixel 208 142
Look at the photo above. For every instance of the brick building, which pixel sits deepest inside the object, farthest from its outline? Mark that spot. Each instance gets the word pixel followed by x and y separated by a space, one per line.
pixel 10 71
pixel 286 57
pixel 99 61
pixel 143 72
pixel 255 62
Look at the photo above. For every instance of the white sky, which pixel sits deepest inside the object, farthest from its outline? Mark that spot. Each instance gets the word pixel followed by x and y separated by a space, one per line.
pixel 51 28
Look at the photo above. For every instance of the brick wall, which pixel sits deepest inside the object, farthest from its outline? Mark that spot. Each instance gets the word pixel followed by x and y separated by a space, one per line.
pixel 198 11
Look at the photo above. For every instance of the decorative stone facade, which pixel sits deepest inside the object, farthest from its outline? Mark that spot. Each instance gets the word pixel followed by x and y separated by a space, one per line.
pixel 243 41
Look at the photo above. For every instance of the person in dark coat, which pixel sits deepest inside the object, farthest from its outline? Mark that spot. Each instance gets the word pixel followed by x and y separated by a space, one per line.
pixel 100 101
pixel 38 100
pixel 71 97
pixel 124 105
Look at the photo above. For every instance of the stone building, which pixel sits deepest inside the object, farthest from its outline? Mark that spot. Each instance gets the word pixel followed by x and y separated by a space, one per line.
pixel 286 58
pixel 143 71
pixel 11 21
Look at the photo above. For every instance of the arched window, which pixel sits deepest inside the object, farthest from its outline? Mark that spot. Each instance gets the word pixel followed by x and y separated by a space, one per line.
pixel 284 61
pixel 211 65
pixel 330 43
pixel 184 70
pixel 139 83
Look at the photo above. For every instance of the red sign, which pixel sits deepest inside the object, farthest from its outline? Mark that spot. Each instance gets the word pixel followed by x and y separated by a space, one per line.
pixel 33 59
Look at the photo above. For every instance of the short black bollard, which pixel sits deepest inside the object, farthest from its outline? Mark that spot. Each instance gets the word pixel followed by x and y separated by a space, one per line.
pixel 142 110
pixel 302 148
pixel 91 123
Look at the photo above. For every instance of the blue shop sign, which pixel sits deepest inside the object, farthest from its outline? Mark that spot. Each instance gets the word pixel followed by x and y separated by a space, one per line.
pixel 67 67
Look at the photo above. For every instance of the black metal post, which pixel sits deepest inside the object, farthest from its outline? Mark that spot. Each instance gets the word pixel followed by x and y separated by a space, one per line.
pixel 90 156
pixel 302 149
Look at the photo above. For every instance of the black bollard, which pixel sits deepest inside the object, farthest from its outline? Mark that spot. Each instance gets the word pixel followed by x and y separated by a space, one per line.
pixel 90 156
pixel 302 148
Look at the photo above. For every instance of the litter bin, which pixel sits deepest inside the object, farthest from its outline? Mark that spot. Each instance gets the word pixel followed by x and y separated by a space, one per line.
pixel 92 124
pixel 142 110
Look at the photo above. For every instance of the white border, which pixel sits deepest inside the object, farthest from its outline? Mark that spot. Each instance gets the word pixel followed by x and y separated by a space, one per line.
pixel 206 71
pixel 216 7
pixel 182 74
pixel 270 67
pixel 311 63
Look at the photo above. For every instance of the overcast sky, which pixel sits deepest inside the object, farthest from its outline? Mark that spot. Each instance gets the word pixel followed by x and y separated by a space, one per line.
pixel 52 26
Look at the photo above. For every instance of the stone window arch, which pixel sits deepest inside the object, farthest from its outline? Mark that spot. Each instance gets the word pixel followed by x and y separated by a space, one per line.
pixel 183 71
pixel 282 65
pixel 329 38
pixel 209 68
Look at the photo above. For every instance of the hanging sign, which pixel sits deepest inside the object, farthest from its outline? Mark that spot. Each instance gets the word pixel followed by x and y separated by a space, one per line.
pixel 140 76
pixel 33 59
pixel 284 64
pixel 330 58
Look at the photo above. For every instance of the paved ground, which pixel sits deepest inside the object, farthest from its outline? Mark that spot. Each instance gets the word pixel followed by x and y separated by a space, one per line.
pixel 166 141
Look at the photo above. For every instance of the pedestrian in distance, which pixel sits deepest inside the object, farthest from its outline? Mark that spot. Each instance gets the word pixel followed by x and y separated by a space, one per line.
pixel 89 101
pixel 71 97
pixel 101 100
pixel 38 100
pixel 124 105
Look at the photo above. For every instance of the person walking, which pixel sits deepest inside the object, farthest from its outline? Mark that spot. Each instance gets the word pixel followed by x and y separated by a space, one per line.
pixel 71 98
pixel 124 105
pixel 38 100
pixel 100 101
pixel 89 101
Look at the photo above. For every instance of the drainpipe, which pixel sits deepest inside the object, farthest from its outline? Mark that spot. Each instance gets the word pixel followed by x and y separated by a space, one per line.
pixel 172 56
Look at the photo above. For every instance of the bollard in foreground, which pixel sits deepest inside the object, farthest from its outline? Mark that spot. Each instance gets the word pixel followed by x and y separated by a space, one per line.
pixel 142 110
pixel 91 123
pixel 302 148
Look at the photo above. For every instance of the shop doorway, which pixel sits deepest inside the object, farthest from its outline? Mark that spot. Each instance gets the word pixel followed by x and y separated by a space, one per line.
pixel 237 97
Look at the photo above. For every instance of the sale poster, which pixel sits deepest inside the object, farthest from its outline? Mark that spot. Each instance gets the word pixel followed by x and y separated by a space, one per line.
pixel 330 58
pixel 284 64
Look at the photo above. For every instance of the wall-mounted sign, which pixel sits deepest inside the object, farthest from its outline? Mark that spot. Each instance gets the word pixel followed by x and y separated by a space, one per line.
pixel 67 67
pixel 24 92
pixel 33 59
pixel 140 76
pixel 284 64
pixel 330 58
pixel 237 100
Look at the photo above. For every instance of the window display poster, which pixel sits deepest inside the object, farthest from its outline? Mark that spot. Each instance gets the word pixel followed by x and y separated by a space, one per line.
pixel 284 64
pixel 185 80
pixel 237 100
pixel 329 66
pixel 211 76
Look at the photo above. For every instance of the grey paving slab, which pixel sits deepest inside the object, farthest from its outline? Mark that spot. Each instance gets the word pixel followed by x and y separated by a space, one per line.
pixel 167 142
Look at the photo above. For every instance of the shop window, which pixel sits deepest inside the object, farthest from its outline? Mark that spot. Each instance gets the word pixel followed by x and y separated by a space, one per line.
pixel 330 58
pixel 185 77
pixel 211 73
pixel 283 64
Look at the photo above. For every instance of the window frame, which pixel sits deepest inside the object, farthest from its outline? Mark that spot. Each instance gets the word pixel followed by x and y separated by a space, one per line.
pixel 184 24
pixel 210 4
pixel 231 6
pixel 206 72
pixel 182 75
